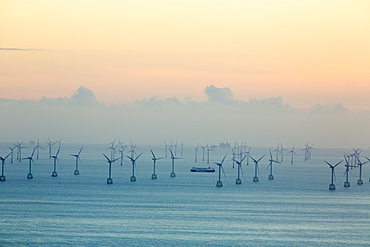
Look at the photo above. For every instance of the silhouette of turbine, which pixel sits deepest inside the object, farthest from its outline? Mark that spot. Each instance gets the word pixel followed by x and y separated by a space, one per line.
pixel 173 174
pixel 240 169
pixel 50 143
pixel 77 172
pixel 154 176
pixel 332 186
pixel 133 161
pixel 271 177
pixel 55 157
pixel 29 175
pixel 255 178
pixel 219 182
pixel 2 177
pixel 109 179
pixel 360 164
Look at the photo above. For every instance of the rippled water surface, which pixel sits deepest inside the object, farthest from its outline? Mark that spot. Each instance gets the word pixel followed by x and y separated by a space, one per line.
pixel 294 209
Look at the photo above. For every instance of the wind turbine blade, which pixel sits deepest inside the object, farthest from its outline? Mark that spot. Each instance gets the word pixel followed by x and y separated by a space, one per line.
pixel 132 160
pixel 80 151
pixel 253 159
pixel 260 158
pixel 138 156
pixel 223 159
pixel 33 152
pixel 328 163
pixel 106 157
pixel 338 163
pixel 8 155
pixel 171 153
pixel 223 171
pixel 153 154
pixel 243 159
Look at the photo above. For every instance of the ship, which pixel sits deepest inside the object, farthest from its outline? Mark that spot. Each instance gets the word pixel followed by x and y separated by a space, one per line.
pixel 202 169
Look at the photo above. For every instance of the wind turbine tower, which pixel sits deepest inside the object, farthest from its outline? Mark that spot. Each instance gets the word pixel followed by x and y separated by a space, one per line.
pixel 55 157
pixel 109 179
pixel 50 144
pixel 154 175
pixel 173 174
pixel 346 183
pixel 219 182
pixel 29 175
pixel 77 172
pixel 332 185
pixel 133 161
pixel 2 177
pixel 271 177
pixel 255 178
pixel 239 163
pixel 360 181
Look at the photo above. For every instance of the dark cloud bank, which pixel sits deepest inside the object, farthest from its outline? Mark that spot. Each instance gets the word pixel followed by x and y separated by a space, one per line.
pixel 261 122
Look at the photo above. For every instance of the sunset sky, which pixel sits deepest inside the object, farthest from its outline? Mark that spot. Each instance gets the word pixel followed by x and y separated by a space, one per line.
pixel 307 52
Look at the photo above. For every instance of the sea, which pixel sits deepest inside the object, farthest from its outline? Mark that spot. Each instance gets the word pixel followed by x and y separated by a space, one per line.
pixel 296 208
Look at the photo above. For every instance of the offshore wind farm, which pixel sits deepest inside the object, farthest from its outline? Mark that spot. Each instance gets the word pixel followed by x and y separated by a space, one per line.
pixel 184 123
pixel 183 210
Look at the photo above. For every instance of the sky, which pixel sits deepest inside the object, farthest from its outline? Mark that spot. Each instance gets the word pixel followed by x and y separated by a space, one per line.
pixel 307 56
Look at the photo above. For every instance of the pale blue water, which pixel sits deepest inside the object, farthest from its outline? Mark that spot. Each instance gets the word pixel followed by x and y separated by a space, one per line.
pixel 295 209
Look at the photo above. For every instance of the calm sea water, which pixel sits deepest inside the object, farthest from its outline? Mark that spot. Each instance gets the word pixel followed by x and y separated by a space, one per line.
pixel 294 209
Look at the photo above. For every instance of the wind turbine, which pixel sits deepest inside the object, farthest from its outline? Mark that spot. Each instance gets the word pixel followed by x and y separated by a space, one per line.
pixel 109 179
pixel 19 151
pixel 369 160
pixel 248 154
pixel 37 148
pixel 203 147
pixel 238 180
pixel 346 183
pixel 219 182
pixel 235 152
pixel 208 154
pixel 173 174
pixel 271 177
pixel 165 148
pixel 360 181
pixel 123 148
pixel 12 153
pixel 356 156
pixel 133 161
pixel 196 153
pixel 293 153
pixel 132 151
pixel 55 157
pixel 59 141
pixel 50 143
pixel 113 149
pixel 77 172
pixel 2 177
pixel 154 176
pixel 332 186
pixel 182 147
pixel 29 175
pixel 255 178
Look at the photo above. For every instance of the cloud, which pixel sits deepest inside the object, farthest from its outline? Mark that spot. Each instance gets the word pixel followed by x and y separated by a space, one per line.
pixel 329 108
pixel 262 122
pixel 81 97
pixel 18 49
pixel 84 96
pixel 222 95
